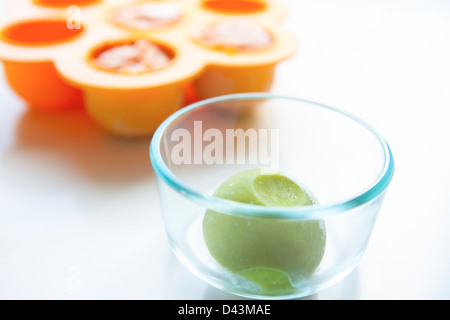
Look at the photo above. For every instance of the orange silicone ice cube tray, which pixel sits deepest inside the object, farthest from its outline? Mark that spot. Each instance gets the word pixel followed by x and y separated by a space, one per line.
pixel 47 48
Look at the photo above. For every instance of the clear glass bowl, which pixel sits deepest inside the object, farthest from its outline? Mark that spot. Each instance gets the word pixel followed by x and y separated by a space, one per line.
pixel 341 160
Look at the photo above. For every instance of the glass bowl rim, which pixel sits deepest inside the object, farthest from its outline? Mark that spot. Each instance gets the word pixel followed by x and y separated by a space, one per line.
pixel 312 212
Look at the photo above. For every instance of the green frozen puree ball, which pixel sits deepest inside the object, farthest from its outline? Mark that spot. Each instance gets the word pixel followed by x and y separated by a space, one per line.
pixel 272 253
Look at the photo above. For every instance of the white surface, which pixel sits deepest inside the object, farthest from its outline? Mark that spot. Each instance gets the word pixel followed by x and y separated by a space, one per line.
pixel 79 212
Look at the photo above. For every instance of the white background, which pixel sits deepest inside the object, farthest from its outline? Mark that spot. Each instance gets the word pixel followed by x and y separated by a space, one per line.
pixel 79 211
